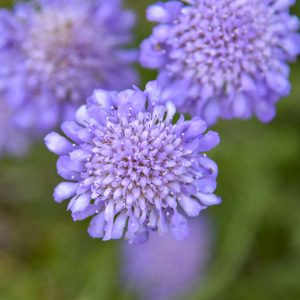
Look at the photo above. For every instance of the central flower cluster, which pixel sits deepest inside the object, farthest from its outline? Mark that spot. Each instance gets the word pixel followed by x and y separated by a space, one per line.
pixel 133 167
pixel 142 160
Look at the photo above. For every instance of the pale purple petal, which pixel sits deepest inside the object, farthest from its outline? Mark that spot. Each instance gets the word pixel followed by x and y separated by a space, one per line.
pixel 58 144
pixel 65 190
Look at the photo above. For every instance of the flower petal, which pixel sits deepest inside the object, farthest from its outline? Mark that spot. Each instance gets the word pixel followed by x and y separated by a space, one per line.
pixel 209 141
pixel 179 227
pixel 190 206
pixel 65 190
pixel 96 227
pixel 58 144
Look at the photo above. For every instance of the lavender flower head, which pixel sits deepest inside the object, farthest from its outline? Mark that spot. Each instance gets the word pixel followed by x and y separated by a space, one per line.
pixel 132 168
pixel 165 269
pixel 223 58
pixel 13 140
pixel 53 53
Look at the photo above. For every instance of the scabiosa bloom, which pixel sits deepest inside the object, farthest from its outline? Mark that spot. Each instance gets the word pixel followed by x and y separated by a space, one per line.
pixel 13 140
pixel 53 53
pixel 165 269
pixel 132 168
pixel 223 58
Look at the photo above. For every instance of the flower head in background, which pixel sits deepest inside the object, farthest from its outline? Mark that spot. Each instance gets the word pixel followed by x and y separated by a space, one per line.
pixel 132 168
pixel 163 268
pixel 53 54
pixel 223 58
pixel 13 140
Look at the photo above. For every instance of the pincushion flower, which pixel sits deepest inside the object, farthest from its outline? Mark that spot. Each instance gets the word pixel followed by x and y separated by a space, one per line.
pixel 130 167
pixel 54 53
pixel 165 269
pixel 223 58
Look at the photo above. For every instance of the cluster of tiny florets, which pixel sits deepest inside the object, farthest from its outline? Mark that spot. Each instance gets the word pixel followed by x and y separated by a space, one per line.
pixel 133 168
pixel 223 58
pixel 53 54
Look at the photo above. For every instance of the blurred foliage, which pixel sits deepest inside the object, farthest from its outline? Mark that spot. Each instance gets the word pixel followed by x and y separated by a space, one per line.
pixel 44 255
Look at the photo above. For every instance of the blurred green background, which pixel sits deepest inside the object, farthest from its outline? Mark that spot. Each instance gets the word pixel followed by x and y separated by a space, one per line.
pixel 44 255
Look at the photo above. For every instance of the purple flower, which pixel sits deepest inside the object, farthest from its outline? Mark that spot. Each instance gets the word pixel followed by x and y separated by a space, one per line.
pixel 132 168
pixel 223 58
pixel 54 53
pixel 165 269
pixel 13 141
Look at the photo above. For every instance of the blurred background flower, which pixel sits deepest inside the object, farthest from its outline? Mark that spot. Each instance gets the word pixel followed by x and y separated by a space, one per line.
pixel 44 255
pixel 223 58
pixel 13 140
pixel 54 53
pixel 163 268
